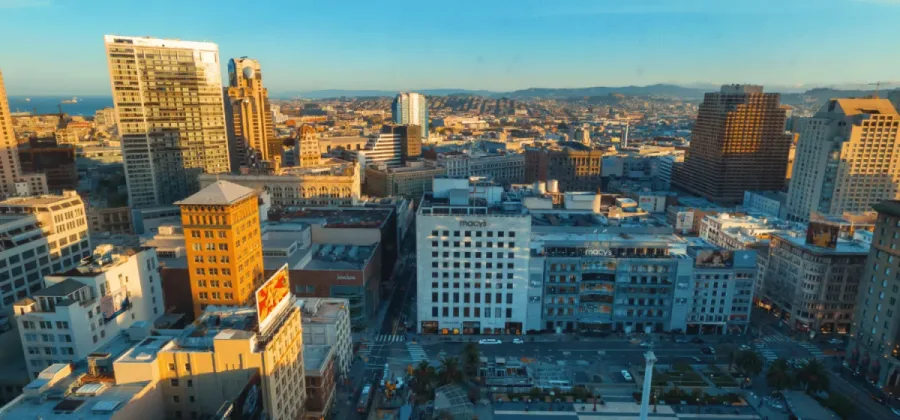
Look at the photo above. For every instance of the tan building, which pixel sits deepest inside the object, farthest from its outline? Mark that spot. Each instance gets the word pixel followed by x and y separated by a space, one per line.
pixel 249 115
pixel 332 182
pixel 575 166
pixel 111 219
pixel 9 159
pixel 318 363
pixel 847 159
pixel 738 144
pixel 410 181
pixel 326 322
pixel 810 286
pixel 223 244
pixel 874 348
pixel 168 98
pixel 308 147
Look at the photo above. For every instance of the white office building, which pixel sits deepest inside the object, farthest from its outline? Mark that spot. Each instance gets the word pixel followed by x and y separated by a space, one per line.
pixel 382 148
pixel 82 309
pixel 472 262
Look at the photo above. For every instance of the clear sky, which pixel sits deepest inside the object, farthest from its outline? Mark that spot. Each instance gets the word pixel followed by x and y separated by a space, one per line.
pixel 56 46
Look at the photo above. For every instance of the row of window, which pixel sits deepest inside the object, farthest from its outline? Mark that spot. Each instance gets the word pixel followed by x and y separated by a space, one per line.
pixel 467 297
pixel 471 312
pixel 468 234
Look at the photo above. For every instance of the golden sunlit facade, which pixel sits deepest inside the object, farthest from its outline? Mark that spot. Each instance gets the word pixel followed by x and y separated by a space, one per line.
pixel 251 129
pixel 224 246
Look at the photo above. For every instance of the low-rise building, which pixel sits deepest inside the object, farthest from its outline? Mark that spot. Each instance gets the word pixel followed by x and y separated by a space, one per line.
pixel 320 378
pixel 722 286
pixel 326 322
pixel 83 308
pixel 502 168
pixel 812 279
pixel 409 181
pixel 770 203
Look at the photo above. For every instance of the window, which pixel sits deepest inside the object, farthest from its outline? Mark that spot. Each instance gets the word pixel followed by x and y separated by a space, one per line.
pixel 173 382
pixel 172 366
pixel 190 382
pixel 175 399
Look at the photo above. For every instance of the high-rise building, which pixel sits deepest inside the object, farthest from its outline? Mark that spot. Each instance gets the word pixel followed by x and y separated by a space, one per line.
pixel 88 306
pixel 9 159
pixel 249 115
pixel 168 98
pixel 394 146
pixel 224 246
pixel 308 151
pixel 847 158
pixel 874 347
pixel 738 144
pixel 410 108
pixel 411 140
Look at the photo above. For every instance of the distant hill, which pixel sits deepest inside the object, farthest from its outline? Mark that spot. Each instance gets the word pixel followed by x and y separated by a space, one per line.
pixel 337 93
pixel 651 90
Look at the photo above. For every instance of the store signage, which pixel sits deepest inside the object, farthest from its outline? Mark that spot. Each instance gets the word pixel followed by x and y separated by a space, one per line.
pixel 345 277
pixel 473 223
pixel 597 252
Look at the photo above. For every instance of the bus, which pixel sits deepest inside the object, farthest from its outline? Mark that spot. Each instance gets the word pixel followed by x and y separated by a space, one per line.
pixel 365 397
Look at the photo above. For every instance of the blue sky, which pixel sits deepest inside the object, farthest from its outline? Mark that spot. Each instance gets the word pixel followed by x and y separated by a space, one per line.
pixel 56 46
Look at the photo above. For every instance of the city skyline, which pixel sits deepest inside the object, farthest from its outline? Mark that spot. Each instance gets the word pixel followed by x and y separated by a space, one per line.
pixel 500 48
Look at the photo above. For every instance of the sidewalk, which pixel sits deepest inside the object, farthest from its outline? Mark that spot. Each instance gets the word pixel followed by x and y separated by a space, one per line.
pixel 764 409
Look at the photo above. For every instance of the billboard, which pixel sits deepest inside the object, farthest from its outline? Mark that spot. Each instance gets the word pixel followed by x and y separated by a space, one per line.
pixel 822 234
pixel 714 258
pixel 272 297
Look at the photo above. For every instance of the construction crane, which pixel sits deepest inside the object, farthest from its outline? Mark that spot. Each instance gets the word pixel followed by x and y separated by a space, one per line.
pixel 878 85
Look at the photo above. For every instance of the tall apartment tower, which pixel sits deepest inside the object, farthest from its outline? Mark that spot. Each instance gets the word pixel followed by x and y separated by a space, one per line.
pixel 224 246
pixel 168 98
pixel 847 159
pixel 308 147
pixel 249 114
pixel 9 156
pixel 738 144
pixel 410 108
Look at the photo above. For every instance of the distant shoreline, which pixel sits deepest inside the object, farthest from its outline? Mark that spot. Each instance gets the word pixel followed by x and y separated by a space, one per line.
pixel 85 106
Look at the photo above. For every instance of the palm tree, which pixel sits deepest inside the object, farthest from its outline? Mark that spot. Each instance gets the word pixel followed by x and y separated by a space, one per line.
pixel 449 372
pixel 779 375
pixel 814 376
pixel 471 359
pixel 423 381
pixel 748 362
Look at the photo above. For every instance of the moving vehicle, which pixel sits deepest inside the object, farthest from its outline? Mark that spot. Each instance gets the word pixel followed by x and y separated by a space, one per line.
pixel 836 341
pixel 518 341
pixel 697 340
pixel 708 350
pixel 489 341
pixel 745 347
pixel 681 340
pixel 365 397
pixel 646 344
pixel 627 375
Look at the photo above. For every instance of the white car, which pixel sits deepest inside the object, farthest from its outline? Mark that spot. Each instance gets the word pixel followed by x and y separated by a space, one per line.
pixel 745 347
pixel 836 341
pixel 518 341
pixel 646 344
pixel 489 341
pixel 627 375
pixel 896 411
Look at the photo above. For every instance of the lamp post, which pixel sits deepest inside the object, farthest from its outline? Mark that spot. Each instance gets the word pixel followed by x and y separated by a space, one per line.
pixel 650 360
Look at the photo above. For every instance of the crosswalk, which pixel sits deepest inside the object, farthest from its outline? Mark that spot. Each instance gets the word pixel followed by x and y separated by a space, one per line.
pixel 366 350
pixel 416 352
pixel 775 338
pixel 388 338
pixel 813 350
pixel 766 352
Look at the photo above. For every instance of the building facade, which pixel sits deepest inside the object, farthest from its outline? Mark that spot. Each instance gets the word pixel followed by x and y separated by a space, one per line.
pixel 164 150
pixel 82 309
pixel 813 288
pixel 575 166
pixel 410 108
pixel 248 115
pixel 409 181
pixel 9 159
pixel 722 291
pixel 874 349
pixel 223 244
pixel 326 322
pixel 50 235
pixel 738 144
pixel 503 169
pixel 847 159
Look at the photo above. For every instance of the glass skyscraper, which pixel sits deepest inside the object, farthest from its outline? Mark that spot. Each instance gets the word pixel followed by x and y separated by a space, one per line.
pixel 409 108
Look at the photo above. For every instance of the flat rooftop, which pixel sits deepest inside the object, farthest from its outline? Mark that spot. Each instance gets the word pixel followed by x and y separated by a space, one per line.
pixel 222 323
pixel 95 265
pixel 340 257
pixel 338 217
pixel 315 356
pixel 92 397
pixel 843 246
pixel 316 310
pixel 63 201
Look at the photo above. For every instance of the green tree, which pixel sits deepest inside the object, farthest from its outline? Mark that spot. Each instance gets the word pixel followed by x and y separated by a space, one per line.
pixel 779 375
pixel 814 376
pixel 423 381
pixel 535 393
pixel 748 362
pixel 450 372
pixel 841 405
pixel 471 359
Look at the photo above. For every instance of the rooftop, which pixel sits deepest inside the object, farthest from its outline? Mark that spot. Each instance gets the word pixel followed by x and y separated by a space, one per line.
pixel 848 247
pixel 338 217
pixel 219 193
pixel 891 207
pixel 218 323
pixel 61 201
pixel 340 257
pixel 317 310
pixel 315 357
pixel 854 106
pixel 61 289
pixel 103 258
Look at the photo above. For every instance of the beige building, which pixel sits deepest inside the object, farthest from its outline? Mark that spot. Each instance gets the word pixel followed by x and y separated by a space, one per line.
pixel 308 150
pixel 813 288
pixel 9 158
pixel 332 182
pixel 874 348
pixel 110 219
pixel 847 159
pixel 249 115
pixel 410 181
pixel 168 98
pixel 326 322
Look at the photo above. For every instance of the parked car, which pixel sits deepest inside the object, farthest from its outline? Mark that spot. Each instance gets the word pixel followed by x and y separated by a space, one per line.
pixel 836 341
pixel 646 344
pixel 697 340
pixel 489 341
pixel 518 341
pixel 627 375
pixel 745 347
pixel 681 340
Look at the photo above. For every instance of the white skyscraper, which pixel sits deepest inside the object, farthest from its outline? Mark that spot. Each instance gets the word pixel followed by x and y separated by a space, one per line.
pixel 168 98
pixel 410 108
